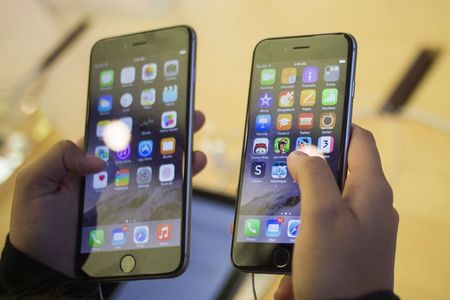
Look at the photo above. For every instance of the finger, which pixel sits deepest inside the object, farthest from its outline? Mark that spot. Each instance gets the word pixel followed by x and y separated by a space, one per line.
pixel 199 120
pixel 200 161
pixel 285 289
pixel 80 142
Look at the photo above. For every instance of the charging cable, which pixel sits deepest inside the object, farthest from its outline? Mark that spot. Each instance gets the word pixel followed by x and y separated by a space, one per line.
pixel 255 297
pixel 100 292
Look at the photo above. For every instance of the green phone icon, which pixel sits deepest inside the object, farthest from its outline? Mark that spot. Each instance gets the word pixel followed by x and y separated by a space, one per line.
pixel 252 227
pixel 106 78
pixel 96 238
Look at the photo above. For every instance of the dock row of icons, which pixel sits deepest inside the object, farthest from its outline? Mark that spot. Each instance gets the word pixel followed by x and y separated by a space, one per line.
pixel 252 227
pixel 310 74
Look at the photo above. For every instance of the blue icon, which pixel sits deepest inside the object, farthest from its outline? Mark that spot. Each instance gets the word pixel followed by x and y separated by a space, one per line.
pixel 303 143
pixel 263 123
pixel 104 103
pixel 273 228
pixel 145 149
pixel 293 227
pixel 140 235
pixel 265 100
pixel 118 237
pixel 279 170
pixel 170 93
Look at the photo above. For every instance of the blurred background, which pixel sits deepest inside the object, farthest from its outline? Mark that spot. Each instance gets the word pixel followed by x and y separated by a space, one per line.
pixel 402 95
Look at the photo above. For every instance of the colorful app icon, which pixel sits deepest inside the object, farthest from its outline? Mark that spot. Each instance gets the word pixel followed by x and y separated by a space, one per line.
pixel 258 169
pixel 331 73
pixel 126 100
pixel 263 123
pixel 145 149
pixel 166 172
pixel 101 125
pixel 123 154
pixel 104 103
pixel 329 96
pixel 325 144
pixel 305 121
pixel 168 146
pixel 96 238
pixel 148 97
pixel 170 93
pixel 293 227
pixel 128 121
pixel 106 78
pixel 127 75
pixel 273 228
pixel 100 180
pixel 260 146
pixel 118 237
pixel 102 152
pixel 122 178
pixel 327 120
pixel 284 122
pixel 149 71
pixel 169 119
pixel 310 74
pixel 251 227
pixel 268 77
pixel 281 145
pixel 140 234
pixel 144 175
pixel 265 100
pixel 279 170
pixel 164 232
pixel 303 143
pixel 171 68
pixel 286 98
pixel 308 97
pixel 288 75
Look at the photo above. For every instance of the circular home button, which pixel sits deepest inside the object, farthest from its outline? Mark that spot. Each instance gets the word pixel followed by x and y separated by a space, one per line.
pixel 127 263
pixel 281 257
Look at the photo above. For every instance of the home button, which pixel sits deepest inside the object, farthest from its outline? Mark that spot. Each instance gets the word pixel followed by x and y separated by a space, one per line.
pixel 127 263
pixel 281 257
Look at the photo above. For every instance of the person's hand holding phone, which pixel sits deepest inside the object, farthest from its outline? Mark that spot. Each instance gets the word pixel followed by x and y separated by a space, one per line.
pixel 346 243
pixel 46 199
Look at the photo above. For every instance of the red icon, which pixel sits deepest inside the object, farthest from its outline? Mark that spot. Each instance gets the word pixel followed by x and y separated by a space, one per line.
pixel 164 232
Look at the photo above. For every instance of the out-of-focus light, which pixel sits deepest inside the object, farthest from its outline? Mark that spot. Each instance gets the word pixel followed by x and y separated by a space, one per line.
pixel 117 135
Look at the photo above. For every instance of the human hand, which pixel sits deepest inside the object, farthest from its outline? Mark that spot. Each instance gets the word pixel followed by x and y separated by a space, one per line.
pixel 46 197
pixel 346 244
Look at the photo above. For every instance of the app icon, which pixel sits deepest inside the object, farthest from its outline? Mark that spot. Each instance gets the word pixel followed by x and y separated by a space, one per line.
pixel 102 152
pixel 101 125
pixel 288 75
pixel 118 237
pixel 128 121
pixel 329 96
pixel 171 68
pixel 149 71
pixel 293 227
pixel 96 238
pixel 303 143
pixel 279 170
pixel 284 122
pixel 123 154
pixel 325 144
pixel 310 74
pixel 273 228
pixel 260 146
pixel 126 100
pixel 169 119
pixel 286 98
pixel 265 100
pixel 127 75
pixel 104 103
pixel 100 180
pixel 144 175
pixel 140 235
pixel 331 73
pixel 251 227
pixel 308 97
pixel 282 145
pixel 122 177
pixel 263 123
pixel 267 77
pixel 170 93
pixel 145 149
pixel 327 120
pixel 168 146
pixel 166 172
pixel 106 78
pixel 164 232
pixel 305 121
pixel 258 169
pixel 148 97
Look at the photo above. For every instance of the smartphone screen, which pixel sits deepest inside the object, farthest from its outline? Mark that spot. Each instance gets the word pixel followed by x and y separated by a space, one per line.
pixel 300 99
pixel 139 121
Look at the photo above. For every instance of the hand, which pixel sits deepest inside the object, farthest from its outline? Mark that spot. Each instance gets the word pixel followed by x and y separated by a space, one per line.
pixel 346 244
pixel 45 205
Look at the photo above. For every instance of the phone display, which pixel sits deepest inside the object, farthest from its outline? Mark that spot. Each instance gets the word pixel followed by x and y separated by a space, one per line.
pixel 300 99
pixel 134 213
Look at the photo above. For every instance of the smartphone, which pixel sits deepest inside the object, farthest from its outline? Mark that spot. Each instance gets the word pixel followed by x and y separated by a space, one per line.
pixel 134 215
pixel 300 98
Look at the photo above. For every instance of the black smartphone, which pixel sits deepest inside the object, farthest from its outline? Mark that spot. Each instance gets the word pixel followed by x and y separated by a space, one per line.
pixel 134 215
pixel 300 98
